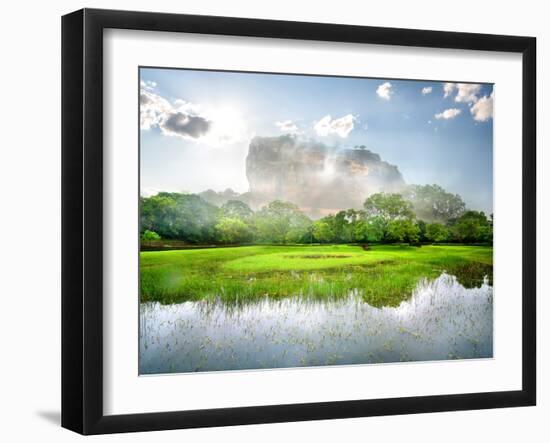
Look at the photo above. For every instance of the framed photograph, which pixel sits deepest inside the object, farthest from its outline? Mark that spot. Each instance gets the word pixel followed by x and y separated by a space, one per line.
pixel 269 221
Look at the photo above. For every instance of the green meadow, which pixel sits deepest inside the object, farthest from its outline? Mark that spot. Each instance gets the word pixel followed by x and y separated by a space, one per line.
pixel 384 275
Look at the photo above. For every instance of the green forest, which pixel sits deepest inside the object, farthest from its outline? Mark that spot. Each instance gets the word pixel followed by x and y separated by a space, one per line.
pixel 420 214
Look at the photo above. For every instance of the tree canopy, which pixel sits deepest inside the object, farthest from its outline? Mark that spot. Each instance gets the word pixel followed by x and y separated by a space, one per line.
pixel 236 209
pixel 388 207
pixel 437 232
pixel 423 214
pixel 233 230
pixel 432 203
pixel 279 220
pixel 179 216
pixel 471 227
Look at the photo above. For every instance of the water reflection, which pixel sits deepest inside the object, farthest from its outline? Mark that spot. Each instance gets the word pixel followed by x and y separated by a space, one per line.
pixel 442 320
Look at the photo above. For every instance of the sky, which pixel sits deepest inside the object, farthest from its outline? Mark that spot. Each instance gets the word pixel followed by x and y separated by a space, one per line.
pixel 195 126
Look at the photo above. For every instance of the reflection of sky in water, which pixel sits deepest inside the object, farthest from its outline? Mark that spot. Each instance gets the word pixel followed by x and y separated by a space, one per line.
pixel 442 320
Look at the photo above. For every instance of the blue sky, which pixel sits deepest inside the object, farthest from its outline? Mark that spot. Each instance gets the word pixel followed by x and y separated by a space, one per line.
pixel 196 126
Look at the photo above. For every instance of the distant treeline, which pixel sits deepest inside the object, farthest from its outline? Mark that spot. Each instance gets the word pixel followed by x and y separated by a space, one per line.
pixel 420 214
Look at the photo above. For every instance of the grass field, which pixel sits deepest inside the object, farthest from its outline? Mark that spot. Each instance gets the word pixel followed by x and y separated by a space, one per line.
pixel 383 276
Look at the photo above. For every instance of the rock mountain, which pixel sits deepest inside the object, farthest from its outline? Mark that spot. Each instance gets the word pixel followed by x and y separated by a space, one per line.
pixel 318 178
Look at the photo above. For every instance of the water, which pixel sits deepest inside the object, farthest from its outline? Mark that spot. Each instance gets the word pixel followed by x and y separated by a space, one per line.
pixel 442 320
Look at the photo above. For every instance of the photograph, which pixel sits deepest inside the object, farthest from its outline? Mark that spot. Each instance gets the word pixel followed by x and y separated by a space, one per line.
pixel 291 220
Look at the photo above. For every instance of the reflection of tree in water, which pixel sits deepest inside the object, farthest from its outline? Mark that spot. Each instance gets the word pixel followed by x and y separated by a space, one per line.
pixel 471 275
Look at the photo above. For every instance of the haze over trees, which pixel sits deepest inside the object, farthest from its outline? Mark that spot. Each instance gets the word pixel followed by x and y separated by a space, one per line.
pixel 421 214
pixel 432 203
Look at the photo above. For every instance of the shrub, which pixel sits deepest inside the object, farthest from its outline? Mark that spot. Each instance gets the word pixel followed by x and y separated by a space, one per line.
pixel 150 235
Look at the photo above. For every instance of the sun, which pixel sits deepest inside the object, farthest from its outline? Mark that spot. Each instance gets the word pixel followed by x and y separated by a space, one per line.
pixel 228 125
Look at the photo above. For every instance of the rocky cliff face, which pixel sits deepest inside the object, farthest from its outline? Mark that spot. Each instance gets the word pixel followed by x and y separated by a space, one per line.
pixel 317 178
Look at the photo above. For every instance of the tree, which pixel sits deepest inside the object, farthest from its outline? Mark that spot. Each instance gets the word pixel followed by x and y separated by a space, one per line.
pixel 436 232
pixel 369 230
pixel 422 230
pixel 402 230
pixel 354 215
pixel 389 207
pixel 276 220
pixel 472 226
pixel 236 209
pixel 156 213
pixel 323 232
pixel 184 217
pixel 339 226
pixel 299 235
pixel 487 231
pixel 219 198
pixel 433 203
pixel 485 234
pixel 233 230
pixel 150 235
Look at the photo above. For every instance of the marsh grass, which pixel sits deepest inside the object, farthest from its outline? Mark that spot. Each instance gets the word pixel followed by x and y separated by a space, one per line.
pixel 382 276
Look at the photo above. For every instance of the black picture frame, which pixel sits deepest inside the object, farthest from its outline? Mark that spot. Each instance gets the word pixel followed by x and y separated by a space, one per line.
pixel 82 219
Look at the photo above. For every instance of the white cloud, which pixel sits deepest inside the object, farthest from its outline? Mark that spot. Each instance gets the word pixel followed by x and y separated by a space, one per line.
pixel 288 126
pixel 467 92
pixel 341 126
pixel 384 91
pixel 448 89
pixel 153 109
pixel 148 84
pixel 482 110
pixel 219 125
pixel 427 90
pixel 448 114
